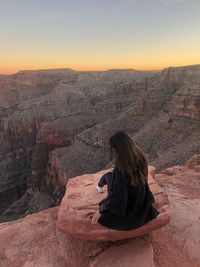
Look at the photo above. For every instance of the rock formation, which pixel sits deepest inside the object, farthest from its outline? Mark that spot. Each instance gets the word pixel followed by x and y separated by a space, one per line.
pixel 178 243
pixel 81 201
pixel 36 241
pixel 136 253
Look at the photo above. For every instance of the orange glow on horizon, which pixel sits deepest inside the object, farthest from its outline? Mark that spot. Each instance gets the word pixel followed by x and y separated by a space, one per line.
pixel 10 70
pixel 95 59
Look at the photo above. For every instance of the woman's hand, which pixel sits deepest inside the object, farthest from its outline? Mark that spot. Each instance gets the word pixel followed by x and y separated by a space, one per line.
pixel 95 217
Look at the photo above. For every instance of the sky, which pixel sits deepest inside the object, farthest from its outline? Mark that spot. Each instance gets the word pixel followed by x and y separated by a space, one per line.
pixel 98 34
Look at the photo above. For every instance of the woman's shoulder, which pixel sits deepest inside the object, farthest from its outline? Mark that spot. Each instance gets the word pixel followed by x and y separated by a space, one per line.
pixel 108 175
pixel 111 172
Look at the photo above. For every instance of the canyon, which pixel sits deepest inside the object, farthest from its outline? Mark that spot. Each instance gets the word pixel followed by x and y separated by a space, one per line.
pixel 55 125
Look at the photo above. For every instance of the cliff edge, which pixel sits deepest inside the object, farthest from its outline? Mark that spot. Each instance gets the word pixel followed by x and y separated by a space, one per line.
pixel 36 241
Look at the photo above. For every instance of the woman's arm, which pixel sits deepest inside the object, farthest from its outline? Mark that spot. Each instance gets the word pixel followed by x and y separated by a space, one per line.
pixel 104 180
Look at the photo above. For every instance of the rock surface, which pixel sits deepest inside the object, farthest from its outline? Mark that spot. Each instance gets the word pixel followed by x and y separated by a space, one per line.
pixel 81 201
pixel 135 253
pixel 178 243
pixel 35 241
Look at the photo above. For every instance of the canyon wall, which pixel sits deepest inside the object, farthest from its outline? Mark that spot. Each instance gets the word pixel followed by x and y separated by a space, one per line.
pixel 63 116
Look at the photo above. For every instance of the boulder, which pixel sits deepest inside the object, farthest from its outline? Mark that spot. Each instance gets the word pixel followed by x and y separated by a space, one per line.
pixel 81 201
pixel 137 252
pixel 169 171
pixel 178 243
pixel 34 241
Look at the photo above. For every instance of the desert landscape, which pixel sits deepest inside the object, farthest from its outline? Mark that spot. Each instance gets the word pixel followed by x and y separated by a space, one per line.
pixel 100 133
pixel 55 125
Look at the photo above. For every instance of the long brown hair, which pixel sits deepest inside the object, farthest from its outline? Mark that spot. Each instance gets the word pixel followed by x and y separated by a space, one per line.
pixel 129 157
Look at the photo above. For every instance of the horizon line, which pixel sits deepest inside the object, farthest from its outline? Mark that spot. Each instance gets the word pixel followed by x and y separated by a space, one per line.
pixel 98 70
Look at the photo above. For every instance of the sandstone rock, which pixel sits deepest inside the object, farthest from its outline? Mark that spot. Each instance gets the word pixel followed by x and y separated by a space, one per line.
pixel 35 241
pixel 81 201
pixel 136 253
pixel 197 168
pixel 193 162
pixel 172 170
pixel 178 243
pixel 169 171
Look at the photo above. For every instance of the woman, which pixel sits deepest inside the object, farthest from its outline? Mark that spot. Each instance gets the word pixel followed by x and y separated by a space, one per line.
pixel 129 201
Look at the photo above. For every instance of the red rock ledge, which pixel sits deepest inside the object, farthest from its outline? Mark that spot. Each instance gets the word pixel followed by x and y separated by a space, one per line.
pixel 81 201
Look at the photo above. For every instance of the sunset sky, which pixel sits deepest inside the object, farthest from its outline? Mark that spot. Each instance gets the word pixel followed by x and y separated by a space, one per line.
pixel 98 34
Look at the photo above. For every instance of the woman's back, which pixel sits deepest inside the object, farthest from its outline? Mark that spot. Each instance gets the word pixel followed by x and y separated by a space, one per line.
pixel 127 206
pixel 136 197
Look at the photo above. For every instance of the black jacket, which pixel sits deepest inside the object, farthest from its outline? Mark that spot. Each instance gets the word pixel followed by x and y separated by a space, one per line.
pixel 126 207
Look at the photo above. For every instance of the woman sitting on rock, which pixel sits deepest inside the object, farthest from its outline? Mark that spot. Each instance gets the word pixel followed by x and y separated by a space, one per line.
pixel 129 201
